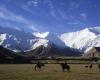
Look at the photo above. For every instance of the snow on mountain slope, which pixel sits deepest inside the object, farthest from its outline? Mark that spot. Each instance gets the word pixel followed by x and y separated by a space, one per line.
pixel 79 39
pixel 93 43
pixel 40 42
pixel 95 30
pixel 51 37
pixel 18 40
pixel 15 39
pixel 82 40
pixel 2 38
pixel 41 35
pixel 56 40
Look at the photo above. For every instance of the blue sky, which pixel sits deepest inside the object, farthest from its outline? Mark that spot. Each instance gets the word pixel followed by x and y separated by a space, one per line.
pixel 57 16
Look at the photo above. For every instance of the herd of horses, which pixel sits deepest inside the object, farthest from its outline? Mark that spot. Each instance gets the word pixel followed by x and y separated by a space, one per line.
pixel 64 66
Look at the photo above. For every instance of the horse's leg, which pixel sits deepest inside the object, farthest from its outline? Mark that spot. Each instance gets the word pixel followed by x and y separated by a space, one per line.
pixel 39 68
pixel 35 67
pixel 63 70
pixel 68 70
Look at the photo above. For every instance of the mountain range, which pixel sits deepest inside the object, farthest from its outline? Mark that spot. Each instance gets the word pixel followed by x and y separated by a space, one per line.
pixel 48 44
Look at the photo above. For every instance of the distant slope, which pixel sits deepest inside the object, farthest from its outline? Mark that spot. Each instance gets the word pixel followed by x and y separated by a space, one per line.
pixel 7 56
pixel 52 50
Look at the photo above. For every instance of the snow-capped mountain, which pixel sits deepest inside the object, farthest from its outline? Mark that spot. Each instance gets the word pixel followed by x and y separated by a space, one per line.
pixel 41 35
pixel 82 40
pixel 15 39
pixel 18 40
pixel 51 37
pixel 95 30
pixel 93 43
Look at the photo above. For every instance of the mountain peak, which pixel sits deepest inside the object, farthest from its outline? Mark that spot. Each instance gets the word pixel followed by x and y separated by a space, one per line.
pixel 78 39
pixel 41 35
pixel 19 40
pixel 95 30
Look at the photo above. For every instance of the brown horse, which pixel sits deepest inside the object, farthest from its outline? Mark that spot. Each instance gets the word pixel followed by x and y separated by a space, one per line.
pixel 65 66
pixel 39 66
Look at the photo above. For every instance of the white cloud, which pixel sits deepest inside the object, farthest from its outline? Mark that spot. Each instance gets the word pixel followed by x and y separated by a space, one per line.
pixel 5 14
pixel 30 10
pixel 15 27
pixel 32 3
pixel 26 8
pixel 83 15
pixel 50 4
pixel 54 15
pixel 74 5
pixel 8 15
pixel 33 27
pixel 73 23
pixel 8 0
pixel 52 10
pixel 63 15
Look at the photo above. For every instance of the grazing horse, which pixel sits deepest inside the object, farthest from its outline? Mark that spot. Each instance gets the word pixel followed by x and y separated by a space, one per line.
pixel 99 66
pixel 39 66
pixel 86 66
pixel 90 66
pixel 65 66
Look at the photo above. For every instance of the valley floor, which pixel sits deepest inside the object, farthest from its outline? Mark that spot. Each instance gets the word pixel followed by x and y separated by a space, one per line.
pixel 50 72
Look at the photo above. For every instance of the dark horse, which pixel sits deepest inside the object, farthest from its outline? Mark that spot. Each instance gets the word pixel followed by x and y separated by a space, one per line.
pixel 99 66
pixel 65 66
pixel 39 66
pixel 90 66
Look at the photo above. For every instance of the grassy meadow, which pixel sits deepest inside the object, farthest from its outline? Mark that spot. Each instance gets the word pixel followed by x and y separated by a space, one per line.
pixel 50 72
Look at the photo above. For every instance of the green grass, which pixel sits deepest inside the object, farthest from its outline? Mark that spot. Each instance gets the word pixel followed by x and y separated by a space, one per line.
pixel 50 72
